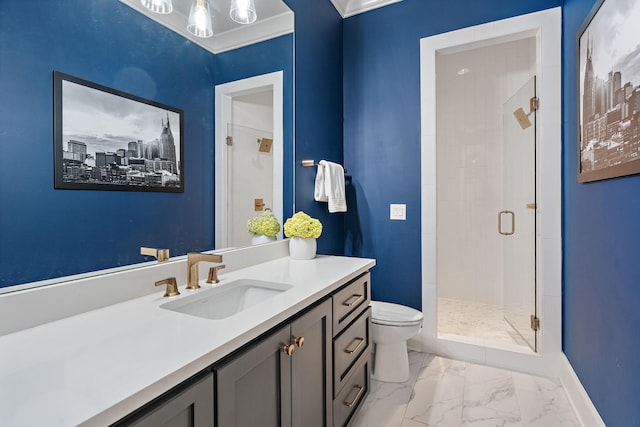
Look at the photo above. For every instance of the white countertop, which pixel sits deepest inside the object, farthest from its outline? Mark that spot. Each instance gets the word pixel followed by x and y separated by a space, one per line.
pixel 96 367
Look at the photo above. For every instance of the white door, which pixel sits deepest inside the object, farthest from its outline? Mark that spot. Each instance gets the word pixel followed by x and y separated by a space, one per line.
pixel 249 179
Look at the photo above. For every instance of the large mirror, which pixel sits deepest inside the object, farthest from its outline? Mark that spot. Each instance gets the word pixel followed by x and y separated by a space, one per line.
pixel 46 234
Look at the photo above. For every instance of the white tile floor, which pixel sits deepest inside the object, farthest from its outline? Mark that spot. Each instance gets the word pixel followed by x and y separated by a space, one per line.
pixel 447 393
pixel 477 323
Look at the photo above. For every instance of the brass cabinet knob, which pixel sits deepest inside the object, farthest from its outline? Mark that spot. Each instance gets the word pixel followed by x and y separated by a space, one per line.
pixel 299 341
pixel 288 349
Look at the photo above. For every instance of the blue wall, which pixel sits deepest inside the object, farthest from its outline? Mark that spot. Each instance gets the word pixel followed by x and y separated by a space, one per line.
pixel 261 58
pixel 601 242
pixel 382 129
pixel 318 58
pixel 48 233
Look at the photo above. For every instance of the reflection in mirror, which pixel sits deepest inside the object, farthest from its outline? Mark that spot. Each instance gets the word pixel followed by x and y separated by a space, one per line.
pixel 274 19
pixel 248 171
pixel 48 234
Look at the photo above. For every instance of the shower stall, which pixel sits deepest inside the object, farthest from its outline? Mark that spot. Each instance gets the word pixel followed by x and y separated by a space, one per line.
pixel 486 233
pixel 491 199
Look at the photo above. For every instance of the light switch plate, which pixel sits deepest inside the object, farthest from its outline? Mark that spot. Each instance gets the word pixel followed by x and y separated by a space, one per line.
pixel 398 212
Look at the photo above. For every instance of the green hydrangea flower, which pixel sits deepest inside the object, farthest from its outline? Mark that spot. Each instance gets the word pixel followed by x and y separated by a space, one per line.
pixel 266 223
pixel 302 225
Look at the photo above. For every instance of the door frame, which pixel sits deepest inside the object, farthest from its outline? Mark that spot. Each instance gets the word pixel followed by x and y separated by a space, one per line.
pixel 224 94
pixel 546 27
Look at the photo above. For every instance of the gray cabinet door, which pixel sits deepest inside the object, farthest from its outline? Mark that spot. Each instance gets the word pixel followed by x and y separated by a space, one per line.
pixel 192 407
pixel 254 388
pixel 312 368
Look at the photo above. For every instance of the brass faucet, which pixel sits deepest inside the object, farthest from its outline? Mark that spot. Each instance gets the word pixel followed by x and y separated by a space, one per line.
pixel 193 258
pixel 161 255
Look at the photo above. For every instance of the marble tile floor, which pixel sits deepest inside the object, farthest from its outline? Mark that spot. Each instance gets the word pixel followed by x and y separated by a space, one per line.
pixel 448 393
pixel 477 323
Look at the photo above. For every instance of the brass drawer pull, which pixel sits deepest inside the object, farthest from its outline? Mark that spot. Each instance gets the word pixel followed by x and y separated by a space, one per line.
pixel 352 300
pixel 360 389
pixel 348 351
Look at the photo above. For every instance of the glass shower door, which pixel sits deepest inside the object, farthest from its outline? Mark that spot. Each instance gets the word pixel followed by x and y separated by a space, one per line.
pixel 517 219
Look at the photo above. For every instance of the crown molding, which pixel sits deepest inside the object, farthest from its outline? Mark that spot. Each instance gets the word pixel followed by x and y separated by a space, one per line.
pixel 348 8
pixel 266 29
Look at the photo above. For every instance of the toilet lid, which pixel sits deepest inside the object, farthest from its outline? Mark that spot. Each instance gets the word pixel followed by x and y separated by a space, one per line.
pixel 386 313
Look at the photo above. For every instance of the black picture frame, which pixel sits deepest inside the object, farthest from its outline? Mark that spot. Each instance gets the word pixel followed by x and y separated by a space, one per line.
pixel 609 100
pixel 106 139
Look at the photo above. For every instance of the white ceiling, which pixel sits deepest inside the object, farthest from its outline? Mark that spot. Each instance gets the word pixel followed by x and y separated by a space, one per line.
pixel 274 19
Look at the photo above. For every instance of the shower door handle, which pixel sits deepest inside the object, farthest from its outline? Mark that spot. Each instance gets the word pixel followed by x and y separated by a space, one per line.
pixel 513 223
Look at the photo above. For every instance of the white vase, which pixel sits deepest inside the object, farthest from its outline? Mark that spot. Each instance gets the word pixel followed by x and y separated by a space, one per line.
pixel 300 248
pixel 259 239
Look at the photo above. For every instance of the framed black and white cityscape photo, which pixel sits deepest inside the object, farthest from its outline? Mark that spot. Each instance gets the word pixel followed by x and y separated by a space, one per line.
pixel 105 139
pixel 609 79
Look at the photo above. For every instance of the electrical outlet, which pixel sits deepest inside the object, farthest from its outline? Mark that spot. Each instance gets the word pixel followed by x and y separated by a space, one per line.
pixel 398 212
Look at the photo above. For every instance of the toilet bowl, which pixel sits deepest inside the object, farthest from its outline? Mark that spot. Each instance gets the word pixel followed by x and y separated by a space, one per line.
pixel 391 326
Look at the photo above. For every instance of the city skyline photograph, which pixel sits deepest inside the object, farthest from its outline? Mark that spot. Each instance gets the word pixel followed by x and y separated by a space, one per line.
pixel 106 139
pixel 107 122
pixel 609 91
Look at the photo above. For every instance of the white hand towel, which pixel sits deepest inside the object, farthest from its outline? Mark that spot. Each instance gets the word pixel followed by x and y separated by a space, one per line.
pixel 319 192
pixel 332 175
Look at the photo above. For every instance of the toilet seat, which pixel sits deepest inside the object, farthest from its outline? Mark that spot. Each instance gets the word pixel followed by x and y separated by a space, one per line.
pixel 389 314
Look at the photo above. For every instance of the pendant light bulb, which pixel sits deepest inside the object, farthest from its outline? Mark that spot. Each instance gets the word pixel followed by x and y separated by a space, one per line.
pixel 200 19
pixel 243 11
pixel 162 7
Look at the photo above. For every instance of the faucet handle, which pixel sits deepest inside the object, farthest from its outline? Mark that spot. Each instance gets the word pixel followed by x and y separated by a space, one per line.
pixel 172 286
pixel 213 273
pixel 161 255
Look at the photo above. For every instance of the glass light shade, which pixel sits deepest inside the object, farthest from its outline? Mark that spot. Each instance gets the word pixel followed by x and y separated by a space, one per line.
pixel 158 6
pixel 243 11
pixel 200 19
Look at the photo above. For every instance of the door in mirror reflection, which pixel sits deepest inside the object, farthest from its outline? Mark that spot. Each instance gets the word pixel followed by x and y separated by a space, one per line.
pixel 249 134
pixel 249 169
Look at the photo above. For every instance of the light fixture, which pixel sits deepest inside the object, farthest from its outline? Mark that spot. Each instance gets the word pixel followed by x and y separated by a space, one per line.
pixel 158 6
pixel 463 71
pixel 243 11
pixel 200 19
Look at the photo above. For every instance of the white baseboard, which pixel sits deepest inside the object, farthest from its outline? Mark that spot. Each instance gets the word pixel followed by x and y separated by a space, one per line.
pixel 587 414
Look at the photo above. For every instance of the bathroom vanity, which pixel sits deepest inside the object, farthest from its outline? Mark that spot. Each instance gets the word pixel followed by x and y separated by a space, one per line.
pixel 298 357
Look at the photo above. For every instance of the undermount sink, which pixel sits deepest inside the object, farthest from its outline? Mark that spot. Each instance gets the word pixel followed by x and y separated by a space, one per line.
pixel 226 299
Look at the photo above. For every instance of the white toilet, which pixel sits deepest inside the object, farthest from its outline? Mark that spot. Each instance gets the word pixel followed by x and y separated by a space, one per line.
pixel 391 326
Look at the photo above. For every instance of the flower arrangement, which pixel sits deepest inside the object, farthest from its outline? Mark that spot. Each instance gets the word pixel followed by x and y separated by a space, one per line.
pixel 303 226
pixel 266 223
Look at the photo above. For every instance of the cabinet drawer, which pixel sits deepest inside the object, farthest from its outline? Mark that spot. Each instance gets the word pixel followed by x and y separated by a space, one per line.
pixel 352 342
pixel 351 397
pixel 349 302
